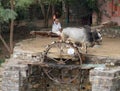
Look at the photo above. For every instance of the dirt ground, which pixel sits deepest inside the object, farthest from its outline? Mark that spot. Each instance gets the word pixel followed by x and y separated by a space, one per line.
pixel 109 47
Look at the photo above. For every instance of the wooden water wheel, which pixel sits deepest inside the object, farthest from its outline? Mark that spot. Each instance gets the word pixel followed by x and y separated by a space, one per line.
pixel 63 62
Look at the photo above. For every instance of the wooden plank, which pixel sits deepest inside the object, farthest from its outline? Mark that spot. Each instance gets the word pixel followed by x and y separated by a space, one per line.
pixel 44 33
pixel 83 66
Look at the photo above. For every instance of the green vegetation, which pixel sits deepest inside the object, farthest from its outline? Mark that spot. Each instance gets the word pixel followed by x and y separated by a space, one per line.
pixel 2 61
pixel 8 14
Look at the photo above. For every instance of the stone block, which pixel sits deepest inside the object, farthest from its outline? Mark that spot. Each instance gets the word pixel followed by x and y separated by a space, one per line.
pixel 105 79
pixel 9 74
pixel 10 81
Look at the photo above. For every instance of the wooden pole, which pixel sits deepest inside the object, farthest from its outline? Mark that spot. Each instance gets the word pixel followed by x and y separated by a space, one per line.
pixel 11 27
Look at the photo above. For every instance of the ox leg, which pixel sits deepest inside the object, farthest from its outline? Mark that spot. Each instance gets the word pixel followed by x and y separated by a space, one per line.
pixel 63 37
pixel 84 47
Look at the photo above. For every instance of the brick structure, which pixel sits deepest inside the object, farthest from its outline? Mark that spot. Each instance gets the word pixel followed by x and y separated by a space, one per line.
pixel 110 11
pixel 14 76
pixel 15 73
pixel 105 79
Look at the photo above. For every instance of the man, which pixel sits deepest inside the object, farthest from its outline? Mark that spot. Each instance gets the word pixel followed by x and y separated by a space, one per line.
pixel 56 27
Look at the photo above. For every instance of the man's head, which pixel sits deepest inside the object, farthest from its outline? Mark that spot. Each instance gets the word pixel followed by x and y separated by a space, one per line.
pixel 56 21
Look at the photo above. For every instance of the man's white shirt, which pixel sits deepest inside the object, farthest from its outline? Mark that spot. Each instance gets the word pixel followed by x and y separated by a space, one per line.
pixel 56 28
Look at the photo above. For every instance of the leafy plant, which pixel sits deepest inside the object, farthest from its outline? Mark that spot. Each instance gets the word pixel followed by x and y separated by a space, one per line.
pixel 23 3
pixel 7 14
pixel 2 61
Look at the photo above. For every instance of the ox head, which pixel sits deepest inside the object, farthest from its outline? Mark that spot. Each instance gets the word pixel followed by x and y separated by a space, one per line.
pixel 95 37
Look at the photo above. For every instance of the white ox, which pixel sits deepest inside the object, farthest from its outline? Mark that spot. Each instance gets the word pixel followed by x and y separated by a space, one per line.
pixel 82 35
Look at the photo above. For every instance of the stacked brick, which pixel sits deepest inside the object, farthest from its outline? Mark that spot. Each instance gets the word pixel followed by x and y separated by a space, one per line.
pixel 105 79
pixel 14 78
